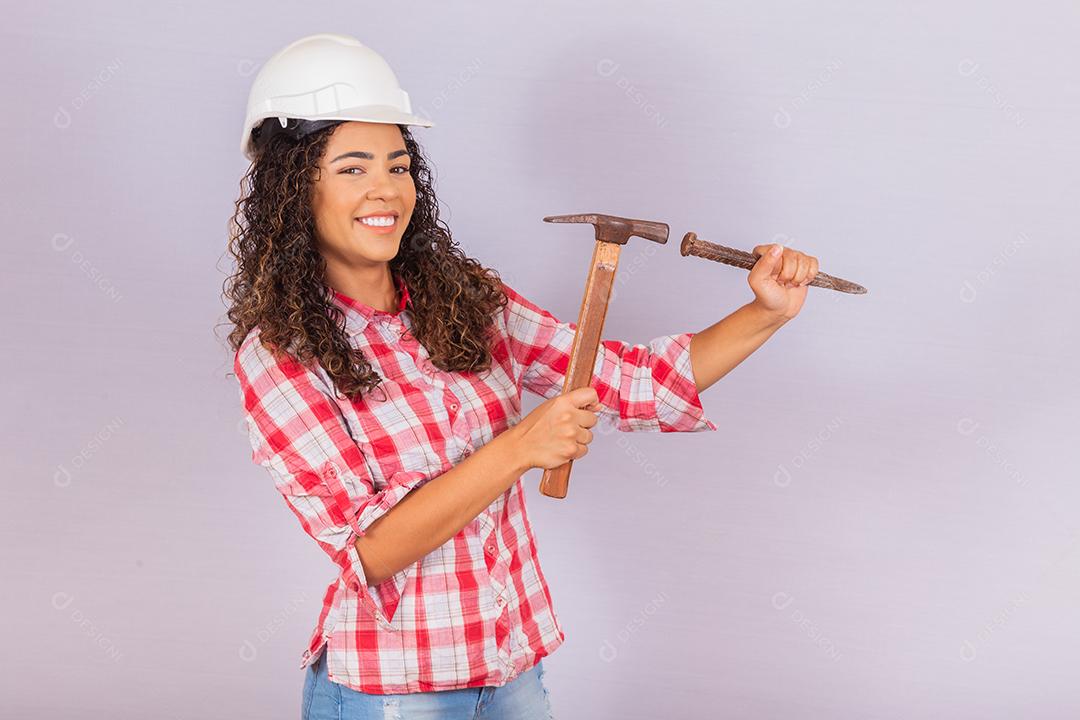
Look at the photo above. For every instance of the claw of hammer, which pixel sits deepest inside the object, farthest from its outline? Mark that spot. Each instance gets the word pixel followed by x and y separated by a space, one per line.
pixel 612 232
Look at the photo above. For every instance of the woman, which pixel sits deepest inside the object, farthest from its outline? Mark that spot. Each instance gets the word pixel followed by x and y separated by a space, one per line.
pixel 381 373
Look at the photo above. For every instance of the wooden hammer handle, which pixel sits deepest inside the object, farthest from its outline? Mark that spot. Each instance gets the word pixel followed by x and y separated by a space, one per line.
pixel 590 325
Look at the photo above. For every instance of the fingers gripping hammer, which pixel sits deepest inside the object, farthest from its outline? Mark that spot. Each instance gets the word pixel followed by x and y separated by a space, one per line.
pixel 612 232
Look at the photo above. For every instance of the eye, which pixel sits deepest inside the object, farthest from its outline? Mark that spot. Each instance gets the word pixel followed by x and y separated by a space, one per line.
pixel 403 168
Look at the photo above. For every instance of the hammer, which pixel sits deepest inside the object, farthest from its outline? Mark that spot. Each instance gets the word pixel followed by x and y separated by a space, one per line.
pixel 612 232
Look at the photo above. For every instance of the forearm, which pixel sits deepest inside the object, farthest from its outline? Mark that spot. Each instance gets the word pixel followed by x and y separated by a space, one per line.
pixel 720 347
pixel 433 513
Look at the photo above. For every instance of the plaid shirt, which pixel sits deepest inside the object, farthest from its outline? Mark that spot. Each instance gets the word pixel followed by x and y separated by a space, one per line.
pixel 477 610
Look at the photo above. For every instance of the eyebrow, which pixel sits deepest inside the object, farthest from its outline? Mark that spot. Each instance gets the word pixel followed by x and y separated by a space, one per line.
pixel 368 156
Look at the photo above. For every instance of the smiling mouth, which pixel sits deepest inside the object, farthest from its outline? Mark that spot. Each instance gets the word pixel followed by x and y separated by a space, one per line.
pixel 379 225
pixel 378 221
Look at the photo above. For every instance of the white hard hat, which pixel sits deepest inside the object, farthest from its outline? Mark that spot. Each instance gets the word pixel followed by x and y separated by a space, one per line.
pixel 326 77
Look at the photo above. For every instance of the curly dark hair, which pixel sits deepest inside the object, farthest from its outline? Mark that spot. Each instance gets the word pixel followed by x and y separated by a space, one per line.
pixel 279 284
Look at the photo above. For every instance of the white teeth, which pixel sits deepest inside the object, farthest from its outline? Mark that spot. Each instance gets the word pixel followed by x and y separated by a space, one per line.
pixel 383 221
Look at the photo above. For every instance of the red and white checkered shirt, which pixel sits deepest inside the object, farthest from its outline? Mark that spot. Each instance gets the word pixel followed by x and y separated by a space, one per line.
pixel 475 611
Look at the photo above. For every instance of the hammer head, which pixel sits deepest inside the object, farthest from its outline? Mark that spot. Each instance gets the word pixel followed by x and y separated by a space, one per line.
pixel 615 229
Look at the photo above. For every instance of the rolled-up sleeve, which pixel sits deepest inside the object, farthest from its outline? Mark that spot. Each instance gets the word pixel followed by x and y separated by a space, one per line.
pixel 298 433
pixel 641 387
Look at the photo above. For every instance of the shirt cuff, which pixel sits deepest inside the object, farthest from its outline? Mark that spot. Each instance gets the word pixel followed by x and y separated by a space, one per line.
pixel 678 402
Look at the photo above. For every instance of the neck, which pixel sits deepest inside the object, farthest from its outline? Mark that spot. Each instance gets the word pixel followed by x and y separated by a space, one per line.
pixel 372 286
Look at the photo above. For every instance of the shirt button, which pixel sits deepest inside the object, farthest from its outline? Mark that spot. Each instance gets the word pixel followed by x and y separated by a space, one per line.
pixel 491 549
pixel 499 600
pixel 453 406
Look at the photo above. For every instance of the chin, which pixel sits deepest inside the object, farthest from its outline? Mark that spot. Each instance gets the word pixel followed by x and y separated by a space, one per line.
pixel 385 250
pixel 377 245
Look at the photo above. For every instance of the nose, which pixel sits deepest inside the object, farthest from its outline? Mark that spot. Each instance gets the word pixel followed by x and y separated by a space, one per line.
pixel 382 186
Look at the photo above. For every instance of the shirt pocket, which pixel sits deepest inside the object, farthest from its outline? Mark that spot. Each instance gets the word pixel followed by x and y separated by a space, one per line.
pixel 457 571
pixel 492 400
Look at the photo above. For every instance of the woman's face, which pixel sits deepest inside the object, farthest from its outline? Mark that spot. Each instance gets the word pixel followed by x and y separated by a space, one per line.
pixel 364 174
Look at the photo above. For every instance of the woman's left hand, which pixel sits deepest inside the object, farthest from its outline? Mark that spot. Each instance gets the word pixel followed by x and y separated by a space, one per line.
pixel 780 281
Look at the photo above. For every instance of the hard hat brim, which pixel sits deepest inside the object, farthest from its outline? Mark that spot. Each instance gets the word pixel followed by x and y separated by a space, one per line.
pixel 366 113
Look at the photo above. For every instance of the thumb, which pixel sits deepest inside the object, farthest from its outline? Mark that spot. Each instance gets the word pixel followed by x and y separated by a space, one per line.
pixel 583 396
pixel 773 257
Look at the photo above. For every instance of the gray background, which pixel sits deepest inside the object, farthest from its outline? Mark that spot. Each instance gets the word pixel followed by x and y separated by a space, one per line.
pixel 884 527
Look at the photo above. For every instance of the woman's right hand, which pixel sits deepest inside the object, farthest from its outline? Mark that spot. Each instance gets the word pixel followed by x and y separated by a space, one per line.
pixel 557 430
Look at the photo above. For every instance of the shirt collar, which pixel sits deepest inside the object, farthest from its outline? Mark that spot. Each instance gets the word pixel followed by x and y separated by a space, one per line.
pixel 358 314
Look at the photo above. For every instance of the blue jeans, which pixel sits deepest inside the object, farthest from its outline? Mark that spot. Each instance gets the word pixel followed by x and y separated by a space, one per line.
pixel 523 698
